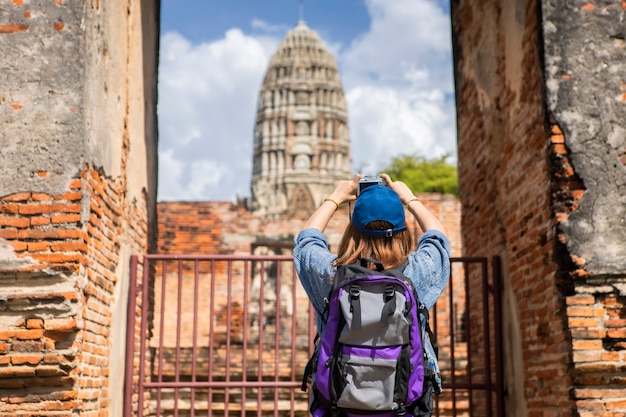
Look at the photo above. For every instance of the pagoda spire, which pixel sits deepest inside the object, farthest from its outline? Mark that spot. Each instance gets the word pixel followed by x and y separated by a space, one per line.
pixel 301 136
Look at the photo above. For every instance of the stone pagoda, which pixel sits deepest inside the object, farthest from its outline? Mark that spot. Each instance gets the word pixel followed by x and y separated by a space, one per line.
pixel 301 136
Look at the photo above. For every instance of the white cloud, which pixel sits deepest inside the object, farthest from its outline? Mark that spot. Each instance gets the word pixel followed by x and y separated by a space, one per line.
pixel 207 105
pixel 399 87
pixel 404 35
pixel 268 27
pixel 399 90
pixel 191 180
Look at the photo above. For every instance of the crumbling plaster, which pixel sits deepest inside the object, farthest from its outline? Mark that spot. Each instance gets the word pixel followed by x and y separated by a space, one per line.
pixel 586 95
pixel 76 87
pixel 41 100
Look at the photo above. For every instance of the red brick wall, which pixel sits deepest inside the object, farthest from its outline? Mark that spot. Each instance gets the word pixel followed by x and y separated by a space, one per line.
pixel 595 310
pixel 39 365
pixel 77 190
pixel 55 337
pixel 505 182
pixel 519 191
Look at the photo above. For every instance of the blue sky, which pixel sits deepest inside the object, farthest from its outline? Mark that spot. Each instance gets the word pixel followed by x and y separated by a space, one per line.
pixel 207 20
pixel 394 58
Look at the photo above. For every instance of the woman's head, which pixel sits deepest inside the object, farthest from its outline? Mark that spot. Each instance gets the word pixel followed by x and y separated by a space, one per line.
pixel 377 229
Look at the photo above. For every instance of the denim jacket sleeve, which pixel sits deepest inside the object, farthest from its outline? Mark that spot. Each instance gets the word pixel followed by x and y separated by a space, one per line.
pixel 429 266
pixel 314 265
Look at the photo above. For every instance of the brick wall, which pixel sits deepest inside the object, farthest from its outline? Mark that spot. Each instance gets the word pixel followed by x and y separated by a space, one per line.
pixel 55 337
pixel 534 190
pixel 227 228
pixel 503 166
pixel 76 197
pixel 595 306
pixel 587 115
pixel 38 339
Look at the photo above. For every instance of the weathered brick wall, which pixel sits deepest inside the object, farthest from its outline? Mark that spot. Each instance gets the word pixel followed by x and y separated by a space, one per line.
pixel 38 348
pixel 57 295
pixel 503 167
pixel 77 197
pixel 585 95
pixel 539 184
pixel 227 228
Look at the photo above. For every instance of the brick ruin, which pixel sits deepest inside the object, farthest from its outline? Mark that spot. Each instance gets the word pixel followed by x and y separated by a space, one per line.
pixel 541 148
pixel 541 100
pixel 77 197
pixel 301 135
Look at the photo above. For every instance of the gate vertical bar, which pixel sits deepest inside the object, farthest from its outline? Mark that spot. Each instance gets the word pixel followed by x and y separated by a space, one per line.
pixel 131 313
pixel 497 312
pixel 229 309
pixel 276 335
pixel 261 320
pixel 468 347
pixel 452 350
pixel 161 347
pixel 294 336
pixel 246 327
pixel 143 338
pixel 179 317
pixel 194 343
pixel 487 337
pixel 468 335
pixel 211 338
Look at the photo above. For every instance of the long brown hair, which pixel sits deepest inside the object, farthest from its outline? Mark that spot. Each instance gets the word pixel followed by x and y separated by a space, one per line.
pixel 390 251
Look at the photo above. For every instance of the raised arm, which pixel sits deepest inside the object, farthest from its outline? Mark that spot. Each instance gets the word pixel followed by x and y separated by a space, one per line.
pixel 345 191
pixel 426 219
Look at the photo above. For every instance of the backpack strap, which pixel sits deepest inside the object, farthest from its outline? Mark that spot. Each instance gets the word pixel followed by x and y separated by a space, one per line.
pixel 433 340
pixel 311 365
pixel 309 369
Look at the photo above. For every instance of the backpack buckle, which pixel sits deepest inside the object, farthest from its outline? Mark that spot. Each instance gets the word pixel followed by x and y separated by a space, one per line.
pixel 355 305
pixel 355 293
pixel 390 305
pixel 389 292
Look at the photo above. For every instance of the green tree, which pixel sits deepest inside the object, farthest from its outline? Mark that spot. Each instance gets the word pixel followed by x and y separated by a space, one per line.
pixel 424 175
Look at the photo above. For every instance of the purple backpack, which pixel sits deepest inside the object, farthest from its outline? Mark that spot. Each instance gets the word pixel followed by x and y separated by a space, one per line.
pixel 370 357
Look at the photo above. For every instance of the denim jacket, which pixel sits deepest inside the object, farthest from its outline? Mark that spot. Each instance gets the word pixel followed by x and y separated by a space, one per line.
pixel 428 267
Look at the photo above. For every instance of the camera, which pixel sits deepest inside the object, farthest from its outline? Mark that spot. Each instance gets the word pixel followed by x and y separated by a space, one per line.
pixel 367 181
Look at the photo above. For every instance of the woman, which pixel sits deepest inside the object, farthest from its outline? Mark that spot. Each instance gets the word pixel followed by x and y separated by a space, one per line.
pixel 377 230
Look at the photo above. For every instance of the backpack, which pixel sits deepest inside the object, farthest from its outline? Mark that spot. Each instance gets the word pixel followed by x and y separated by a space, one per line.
pixel 373 357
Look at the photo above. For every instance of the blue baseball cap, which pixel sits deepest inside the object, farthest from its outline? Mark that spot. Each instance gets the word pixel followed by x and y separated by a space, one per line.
pixel 379 202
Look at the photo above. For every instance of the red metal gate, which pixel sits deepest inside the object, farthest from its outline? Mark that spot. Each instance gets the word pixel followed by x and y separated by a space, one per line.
pixel 230 335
